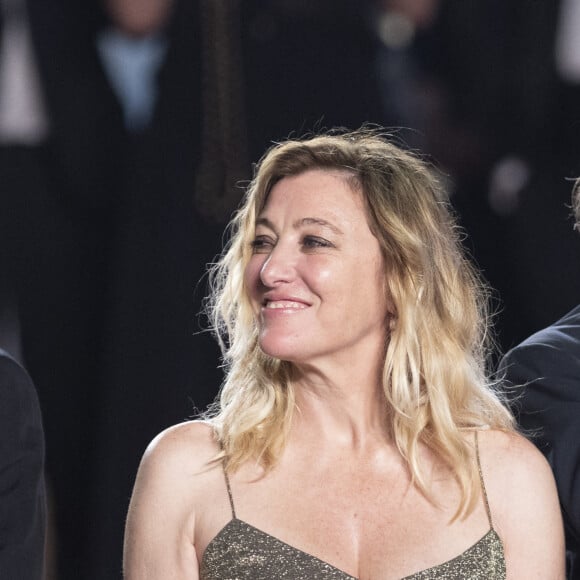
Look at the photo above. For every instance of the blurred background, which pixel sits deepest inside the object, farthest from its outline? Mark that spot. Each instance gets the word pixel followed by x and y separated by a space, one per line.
pixel 127 131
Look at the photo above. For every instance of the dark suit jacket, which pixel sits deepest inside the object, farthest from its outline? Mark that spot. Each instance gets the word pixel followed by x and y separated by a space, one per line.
pixel 22 494
pixel 544 373
pixel 85 120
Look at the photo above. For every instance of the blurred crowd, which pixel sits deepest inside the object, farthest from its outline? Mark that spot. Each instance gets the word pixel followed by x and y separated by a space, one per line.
pixel 127 131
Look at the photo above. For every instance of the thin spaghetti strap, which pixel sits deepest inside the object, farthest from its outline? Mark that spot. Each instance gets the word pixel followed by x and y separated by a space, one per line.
pixel 230 496
pixel 483 491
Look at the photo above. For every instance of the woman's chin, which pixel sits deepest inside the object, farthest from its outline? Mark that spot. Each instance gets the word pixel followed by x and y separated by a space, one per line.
pixel 281 350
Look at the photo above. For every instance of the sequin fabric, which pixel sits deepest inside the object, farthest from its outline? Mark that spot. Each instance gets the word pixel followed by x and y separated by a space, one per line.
pixel 485 560
pixel 241 551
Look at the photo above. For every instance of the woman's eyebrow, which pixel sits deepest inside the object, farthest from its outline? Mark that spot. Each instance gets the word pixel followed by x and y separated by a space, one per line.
pixel 263 221
pixel 308 221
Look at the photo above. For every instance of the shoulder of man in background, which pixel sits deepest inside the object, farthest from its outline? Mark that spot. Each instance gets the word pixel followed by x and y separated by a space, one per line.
pixel 22 490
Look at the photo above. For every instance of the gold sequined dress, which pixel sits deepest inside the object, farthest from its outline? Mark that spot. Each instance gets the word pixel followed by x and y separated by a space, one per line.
pixel 241 551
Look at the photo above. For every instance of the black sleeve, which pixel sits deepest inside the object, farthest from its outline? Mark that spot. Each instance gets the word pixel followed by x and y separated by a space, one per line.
pixel 22 493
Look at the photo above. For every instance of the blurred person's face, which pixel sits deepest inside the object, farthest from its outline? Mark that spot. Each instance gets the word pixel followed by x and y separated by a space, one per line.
pixel 316 275
pixel 421 13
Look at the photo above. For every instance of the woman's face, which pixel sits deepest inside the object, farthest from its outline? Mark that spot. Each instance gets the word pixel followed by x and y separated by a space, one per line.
pixel 316 275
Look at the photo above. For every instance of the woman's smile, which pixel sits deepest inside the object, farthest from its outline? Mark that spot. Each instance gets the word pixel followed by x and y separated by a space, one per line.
pixel 284 304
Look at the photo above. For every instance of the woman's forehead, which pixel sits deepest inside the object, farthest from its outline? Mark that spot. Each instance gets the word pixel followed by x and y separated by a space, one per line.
pixel 325 190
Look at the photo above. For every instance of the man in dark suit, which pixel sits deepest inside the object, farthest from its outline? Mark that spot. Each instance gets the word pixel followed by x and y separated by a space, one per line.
pixel 22 494
pixel 543 376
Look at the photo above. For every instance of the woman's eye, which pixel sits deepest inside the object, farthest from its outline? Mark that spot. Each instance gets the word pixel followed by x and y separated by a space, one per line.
pixel 315 242
pixel 261 244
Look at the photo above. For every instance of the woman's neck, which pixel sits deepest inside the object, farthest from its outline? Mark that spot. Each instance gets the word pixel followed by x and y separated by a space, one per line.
pixel 347 410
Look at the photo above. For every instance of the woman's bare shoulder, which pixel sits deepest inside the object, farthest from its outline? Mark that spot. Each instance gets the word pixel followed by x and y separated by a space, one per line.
pixel 189 447
pixel 513 468
pixel 197 436
pixel 524 504
pixel 176 472
pixel 509 452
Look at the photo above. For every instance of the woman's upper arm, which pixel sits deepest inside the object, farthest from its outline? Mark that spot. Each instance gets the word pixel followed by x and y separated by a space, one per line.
pixel 159 534
pixel 525 508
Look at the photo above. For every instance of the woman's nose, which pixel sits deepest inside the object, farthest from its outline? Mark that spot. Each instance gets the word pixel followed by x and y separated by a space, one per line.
pixel 279 267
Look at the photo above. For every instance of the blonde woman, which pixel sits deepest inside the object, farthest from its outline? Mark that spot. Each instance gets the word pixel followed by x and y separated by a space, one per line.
pixel 356 435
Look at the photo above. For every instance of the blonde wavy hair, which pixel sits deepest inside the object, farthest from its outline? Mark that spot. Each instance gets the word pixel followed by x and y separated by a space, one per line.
pixel 434 374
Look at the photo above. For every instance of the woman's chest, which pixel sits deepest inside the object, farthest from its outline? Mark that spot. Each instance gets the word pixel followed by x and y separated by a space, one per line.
pixel 373 527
